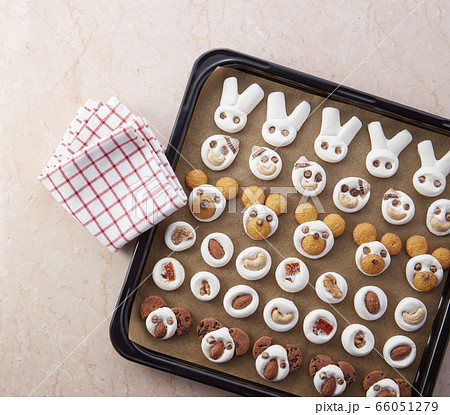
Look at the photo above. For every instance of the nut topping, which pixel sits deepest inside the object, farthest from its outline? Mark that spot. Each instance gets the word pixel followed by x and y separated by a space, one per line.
pixel 271 370
pixel 329 387
pixel 415 317
pixel 256 263
pixel 210 340
pixel 400 352
pixel 265 355
pixel 154 319
pixel 216 249
pixel 280 318
pixel 323 376
pixel 359 340
pixel 242 301
pixel 372 302
pixel 160 330
pixel 216 351
pixel 330 284
pixel 205 288
pixel 181 234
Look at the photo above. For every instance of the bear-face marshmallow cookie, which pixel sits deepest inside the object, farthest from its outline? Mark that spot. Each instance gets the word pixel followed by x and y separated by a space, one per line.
pixel 231 114
pixel 206 203
pixel 308 177
pixel 280 130
pixel 260 222
pixel 265 163
pixel 397 207
pixel 313 239
pixel 424 272
pixel 438 217
pixel 351 194
pixel 377 385
pixel 219 151
pixel 372 258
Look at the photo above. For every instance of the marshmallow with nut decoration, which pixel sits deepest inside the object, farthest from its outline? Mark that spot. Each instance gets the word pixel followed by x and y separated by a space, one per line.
pixel 372 258
pixel 241 301
pixel 206 203
pixel 265 163
pixel 168 274
pixel 274 353
pixel 382 159
pixel 308 177
pixel 351 194
pixel 399 351
pixel 410 314
pixel 260 222
pixel 424 272
pixel 280 314
pixel 292 275
pixel 218 346
pixel 331 287
pixel 438 217
pixel 430 180
pixel 219 151
pixel 205 286
pixel 332 143
pixel 328 372
pixel 313 239
pixel 231 114
pixel 383 386
pixel 179 236
pixel 357 340
pixel 397 207
pixel 161 323
pixel 319 326
pixel 370 303
pixel 217 249
pixel 280 130
pixel 253 263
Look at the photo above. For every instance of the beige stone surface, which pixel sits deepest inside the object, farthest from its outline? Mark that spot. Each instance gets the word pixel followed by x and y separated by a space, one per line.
pixel 59 286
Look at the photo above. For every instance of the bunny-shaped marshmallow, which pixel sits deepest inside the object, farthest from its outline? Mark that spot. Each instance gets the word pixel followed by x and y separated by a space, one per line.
pixel 280 130
pixel 231 114
pixel 382 160
pixel 332 143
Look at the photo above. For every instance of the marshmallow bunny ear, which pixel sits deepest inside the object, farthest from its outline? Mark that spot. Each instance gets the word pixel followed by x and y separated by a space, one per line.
pixel 426 153
pixel 444 164
pixel 399 142
pixel 299 115
pixel 230 91
pixel 376 134
pixel 276 106
pixel 250 98
pixel 331 122
pixel 349 130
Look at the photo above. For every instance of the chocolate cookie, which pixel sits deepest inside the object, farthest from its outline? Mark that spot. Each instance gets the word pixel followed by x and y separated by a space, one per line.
pixel 404 386
pixel 184 320
pixel 349 372
pixel 241 341
pixel 260 345
pixel 373 377
pixel 207 325
pixel 150 304
pixel 318 362
pixel 294 357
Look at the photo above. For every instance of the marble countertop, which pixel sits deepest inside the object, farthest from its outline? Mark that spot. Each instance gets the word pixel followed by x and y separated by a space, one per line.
pixel 59 285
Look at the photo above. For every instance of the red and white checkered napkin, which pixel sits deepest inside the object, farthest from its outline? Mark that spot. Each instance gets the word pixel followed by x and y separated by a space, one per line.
pixel 110 172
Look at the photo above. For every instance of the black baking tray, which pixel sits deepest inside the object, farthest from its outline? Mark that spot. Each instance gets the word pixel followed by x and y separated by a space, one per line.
pixel 433 355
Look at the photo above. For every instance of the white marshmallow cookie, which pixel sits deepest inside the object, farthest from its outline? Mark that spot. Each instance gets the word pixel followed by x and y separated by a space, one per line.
pixel 410 314
pixel 265 163
pixel 397 207
pixel 260 222
pixel 162 316
pixel 308 177
pixel 278 353
pixel 280 314
pixel 332 143
pixel 219 151
pixel 357 340
pixel 424 272
pixel 381 386
pixel 438 217
pixel 280 130
pixel 319 326
pixel 431 179
pixel 313 239
pixel 399 352
pixel 217 249
pixel 168 274
pixel 241 301
pixel 370 303
pixel 382 159
pixel 372 258
pixel 331 287
pixel 253 263
pixel 179 236
pixel 206 203
pixel 351 194
pixel 205 286
pixel 325 373
pixel 214 337
pixel 292 275
pixel 231 114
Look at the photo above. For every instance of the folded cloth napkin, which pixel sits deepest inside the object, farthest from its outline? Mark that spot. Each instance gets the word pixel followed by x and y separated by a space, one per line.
pixel 111 173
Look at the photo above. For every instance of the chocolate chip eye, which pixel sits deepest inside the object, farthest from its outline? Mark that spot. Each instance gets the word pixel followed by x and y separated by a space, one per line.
pixel 224 150
pixel 437 183
pixel 376 163
pixel 447 217
pixel 316 235
pixel 264 159
pixel 204 204
pixel 199 192
pixel 325 235
pixel 274 159
pixel 383 254
pixel 272 129
pixel 236 120
pixel 253 214
pixel 269 218
pixel 324 145
pixel 213 143
pixel 421 179
pixel 217 199
pixel 437 211
pixel 366 250
pixel 433 269
pixel 307 174
pixel 283 364
pixel 318 178
pixel 388 165
pixel 395 202
pixel 417 267
pixel 285 132
pixel 406 206
pixel 305 229
pixel 223 115
pixel 338 150
pixel 354 192
pixel 344 188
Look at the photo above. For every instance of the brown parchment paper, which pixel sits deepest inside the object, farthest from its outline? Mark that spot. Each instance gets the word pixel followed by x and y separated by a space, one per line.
pixel 340 259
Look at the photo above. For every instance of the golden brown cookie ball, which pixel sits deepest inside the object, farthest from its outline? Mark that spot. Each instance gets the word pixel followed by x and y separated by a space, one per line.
pixel 416 245
pixel 196 178
pixel 424 281
pixel 372 264
pixel 336 223
pixel 313 246
pixel 305 212
pixel 392 242
pixel 443 256
pixel 252 196
pixel 364 232
pixel 258 228
pixel 277 203
pixel 203 207
pixel 228 187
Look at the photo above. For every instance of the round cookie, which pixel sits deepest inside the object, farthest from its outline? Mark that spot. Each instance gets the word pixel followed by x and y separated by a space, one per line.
pixel 277 203
pixel 416 245
pixel 206 203
pixel 260 222
pixel 308 177
pixel 313 239
pixel 370 303
pixel 364 233
pixel 404 386
pixel 151 303
pixel 205 286
pixel 438 217
pixel 240 301
pixel 397 207
pixel 410 314
pixel 184 320
pixel 329 381
pixel 253 195
pixel 207 325
pixel 161 323
pixel 241 341
pixel 295 357
pixel 351 194
pixel 265 163
pixel 318 362
pixel 219 151
pixel 217 249
pixel 331 287
pixel 260 345
pixel 280 314
pixel 272 364
pixel 399 351
pixel 195 178
pixel 372 378
pixel 336 223
pixel 179 236
pixel 349 372
pixel 424 272
pixel 443 256
pixel 168 274
pixel 305 212
pixel 319 326
pixel 292 275
pixel 253 263
pixel 357 340
pixel 228 186
pixel 392 242
pixel 218 346
pixel 372 258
